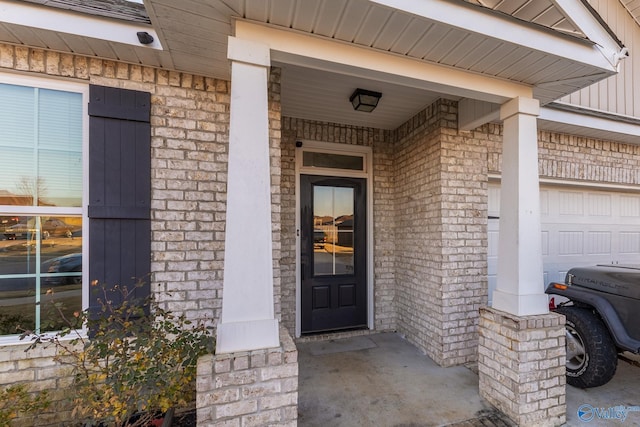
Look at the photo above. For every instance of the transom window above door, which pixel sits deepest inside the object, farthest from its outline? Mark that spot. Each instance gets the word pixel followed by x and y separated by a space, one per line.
pixel 333 159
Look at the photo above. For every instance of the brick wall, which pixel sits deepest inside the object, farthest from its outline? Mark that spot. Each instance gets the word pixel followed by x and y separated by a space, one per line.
pixel 275 141
pixel 190 135
pixel 430 213
pixel 190 129
pixel 441 218
pixel 384 236
pixel 189 122
pixel 253 388
pixel 464 238
pixel 571 157
pixel 522 366
pixel 38 371
pixel 419 257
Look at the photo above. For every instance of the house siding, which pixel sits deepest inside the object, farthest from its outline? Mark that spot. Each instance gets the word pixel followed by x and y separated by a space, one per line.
pixel 619 93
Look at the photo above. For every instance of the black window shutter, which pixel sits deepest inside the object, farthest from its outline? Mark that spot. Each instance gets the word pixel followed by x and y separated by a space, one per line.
pixel 119 191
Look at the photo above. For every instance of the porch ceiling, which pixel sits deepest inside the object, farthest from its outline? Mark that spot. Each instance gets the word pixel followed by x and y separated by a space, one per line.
pixel 193 38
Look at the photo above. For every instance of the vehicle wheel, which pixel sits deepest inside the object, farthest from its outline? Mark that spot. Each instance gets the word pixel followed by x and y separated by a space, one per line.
pixel 592 357
pixel 45 235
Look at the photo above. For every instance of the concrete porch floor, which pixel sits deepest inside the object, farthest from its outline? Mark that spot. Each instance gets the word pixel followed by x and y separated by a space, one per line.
pixel 383 380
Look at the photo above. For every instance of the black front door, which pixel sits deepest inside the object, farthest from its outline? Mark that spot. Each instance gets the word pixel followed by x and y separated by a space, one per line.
pixel 333 253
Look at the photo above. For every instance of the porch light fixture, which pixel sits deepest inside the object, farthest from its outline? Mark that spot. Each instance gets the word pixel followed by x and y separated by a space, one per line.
pixel 365 100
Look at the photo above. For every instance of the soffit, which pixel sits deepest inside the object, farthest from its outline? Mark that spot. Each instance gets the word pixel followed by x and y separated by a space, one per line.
pixel 633 6
pixel 193 35
pixel 541 12
pixel 195 32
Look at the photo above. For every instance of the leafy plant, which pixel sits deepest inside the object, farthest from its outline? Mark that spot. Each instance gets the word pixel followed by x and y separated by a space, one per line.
pixel 16 400
pixel 140 359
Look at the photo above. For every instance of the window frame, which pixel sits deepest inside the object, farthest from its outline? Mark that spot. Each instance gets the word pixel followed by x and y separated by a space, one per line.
pixel 83 90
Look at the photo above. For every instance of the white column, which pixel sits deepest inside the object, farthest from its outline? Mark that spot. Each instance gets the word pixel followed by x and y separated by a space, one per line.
pixel 248 321
pixel 520 288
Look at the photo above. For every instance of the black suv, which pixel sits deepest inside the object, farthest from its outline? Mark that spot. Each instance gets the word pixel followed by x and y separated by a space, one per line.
pixel 602 305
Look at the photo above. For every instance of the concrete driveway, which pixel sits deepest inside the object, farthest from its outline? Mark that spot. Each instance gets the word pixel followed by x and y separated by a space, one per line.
pixel 621 393
pixel 383 380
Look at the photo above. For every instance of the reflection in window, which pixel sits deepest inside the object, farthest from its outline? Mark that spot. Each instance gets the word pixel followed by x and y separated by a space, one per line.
pixel 40 262
pixel 333 249
pixel 41 141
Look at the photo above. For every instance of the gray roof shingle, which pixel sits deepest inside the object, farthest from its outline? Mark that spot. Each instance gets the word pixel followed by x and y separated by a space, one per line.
pixel 115 9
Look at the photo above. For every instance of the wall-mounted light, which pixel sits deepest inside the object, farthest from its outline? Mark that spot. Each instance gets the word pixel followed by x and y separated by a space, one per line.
pixel 365 100
pixel 144 37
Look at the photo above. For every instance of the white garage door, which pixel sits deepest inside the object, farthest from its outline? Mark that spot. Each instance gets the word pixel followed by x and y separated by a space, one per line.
pixel 579 227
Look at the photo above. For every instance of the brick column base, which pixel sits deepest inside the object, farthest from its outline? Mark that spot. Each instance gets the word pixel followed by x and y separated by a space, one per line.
pixel 250 388
pixel 521 364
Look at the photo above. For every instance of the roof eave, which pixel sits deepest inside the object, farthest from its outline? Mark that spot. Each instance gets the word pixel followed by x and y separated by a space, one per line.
pixel 76 23
pixel 598 51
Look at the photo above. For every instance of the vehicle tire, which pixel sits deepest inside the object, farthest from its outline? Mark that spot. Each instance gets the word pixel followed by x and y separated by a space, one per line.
pixel 592 357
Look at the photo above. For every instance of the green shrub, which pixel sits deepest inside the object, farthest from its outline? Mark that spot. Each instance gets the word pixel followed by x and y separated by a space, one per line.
pixel 15 400
pixel 139 360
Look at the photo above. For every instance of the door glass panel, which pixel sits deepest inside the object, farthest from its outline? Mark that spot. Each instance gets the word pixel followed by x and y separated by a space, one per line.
pixel 333 249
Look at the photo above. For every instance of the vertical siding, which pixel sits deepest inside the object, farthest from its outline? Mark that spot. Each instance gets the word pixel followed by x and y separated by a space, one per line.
pixel 618 94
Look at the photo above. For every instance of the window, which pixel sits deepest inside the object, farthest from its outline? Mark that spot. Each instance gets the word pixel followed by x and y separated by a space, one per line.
pixel 43 128
pixel 332 160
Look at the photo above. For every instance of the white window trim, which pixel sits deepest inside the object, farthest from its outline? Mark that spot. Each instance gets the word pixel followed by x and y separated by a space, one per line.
pixel 83 89
pixel 366 173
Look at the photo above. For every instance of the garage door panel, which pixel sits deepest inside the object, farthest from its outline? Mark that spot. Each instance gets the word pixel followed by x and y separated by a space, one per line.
pixel 545 242
pixel 494 201
pixel 579 228
pixel 492 251
pixel 630 206
pixel 598 205
pixel 630 243
pixel 570 203
pixel 570 243
pixel 544 202
pixel 599 242
pixel 553 271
